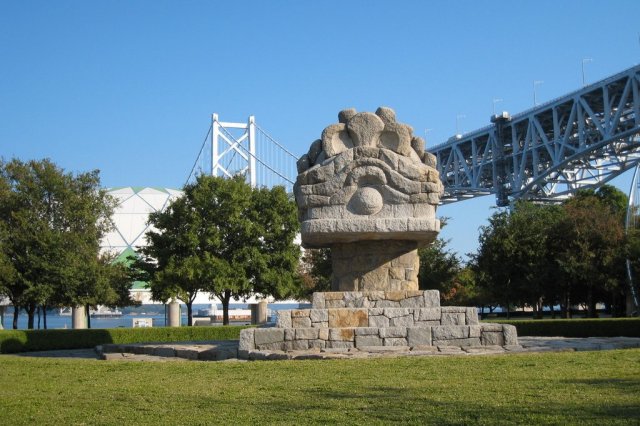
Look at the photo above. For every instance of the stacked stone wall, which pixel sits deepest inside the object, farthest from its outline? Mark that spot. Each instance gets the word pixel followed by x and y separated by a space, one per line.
pixel 366 320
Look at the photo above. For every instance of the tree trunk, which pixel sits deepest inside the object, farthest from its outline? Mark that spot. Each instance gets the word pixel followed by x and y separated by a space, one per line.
pixel 567 306
pixel 39 313
pixel 591 304
pixel 16 313
pixel 538 309
pixel 534 308
pixel 44 316
pixel 31 313
pixel 88 312
pixel 189 304
pixel 226 297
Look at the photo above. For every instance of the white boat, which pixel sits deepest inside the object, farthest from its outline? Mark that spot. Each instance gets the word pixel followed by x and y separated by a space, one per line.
pixel 105 312
pixel 208 312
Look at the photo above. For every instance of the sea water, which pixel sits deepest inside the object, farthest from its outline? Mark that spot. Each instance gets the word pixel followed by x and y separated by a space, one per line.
pixel 55 321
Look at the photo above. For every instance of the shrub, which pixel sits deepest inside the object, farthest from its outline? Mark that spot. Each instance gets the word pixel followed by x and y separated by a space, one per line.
pixel 605 327
pixel 12 341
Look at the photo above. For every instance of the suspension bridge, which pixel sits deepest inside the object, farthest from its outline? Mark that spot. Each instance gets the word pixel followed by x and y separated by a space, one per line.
pixel 231 149
pixel 582 139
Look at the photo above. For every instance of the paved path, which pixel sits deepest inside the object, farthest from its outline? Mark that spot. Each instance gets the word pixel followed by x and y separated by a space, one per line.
pixel 228 350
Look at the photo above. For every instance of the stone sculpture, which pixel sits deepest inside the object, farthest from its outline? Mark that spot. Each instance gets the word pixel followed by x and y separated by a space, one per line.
pixel 369 190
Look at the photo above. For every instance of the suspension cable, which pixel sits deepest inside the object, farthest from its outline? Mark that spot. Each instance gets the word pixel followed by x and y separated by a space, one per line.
pixel 276 142
pixel 195 163
pixel 258 159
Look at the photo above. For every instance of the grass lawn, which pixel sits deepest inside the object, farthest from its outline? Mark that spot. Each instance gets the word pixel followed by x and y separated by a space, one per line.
pixel 553 388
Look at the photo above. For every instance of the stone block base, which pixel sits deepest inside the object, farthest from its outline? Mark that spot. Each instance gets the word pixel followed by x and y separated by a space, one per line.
pixel 291 339
pixel 376 317
pixel 356 320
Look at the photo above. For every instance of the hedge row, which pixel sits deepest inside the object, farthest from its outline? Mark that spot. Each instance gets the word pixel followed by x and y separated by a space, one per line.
pixel 12 341
pixel 598 327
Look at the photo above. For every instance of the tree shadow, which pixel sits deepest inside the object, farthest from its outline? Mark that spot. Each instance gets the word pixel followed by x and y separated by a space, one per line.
pixel 19 341
pixel 398 404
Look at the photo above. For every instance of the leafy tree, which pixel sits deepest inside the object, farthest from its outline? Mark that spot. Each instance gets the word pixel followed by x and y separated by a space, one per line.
pixel 535 272
pixel 615 199
pixel 439 269
pixel 223 237
pixel 633 257
pixel 7 270
pixel 590 247
pixel 572 253
pixel 492 262
pixel 53 222
pixel 513 261
pixel 315 272
pixel 275 215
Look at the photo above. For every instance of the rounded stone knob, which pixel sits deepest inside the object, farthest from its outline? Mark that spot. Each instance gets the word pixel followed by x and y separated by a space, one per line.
pixel 366 201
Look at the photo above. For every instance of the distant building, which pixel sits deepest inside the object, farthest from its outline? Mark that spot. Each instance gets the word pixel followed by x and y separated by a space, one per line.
pixel 130 220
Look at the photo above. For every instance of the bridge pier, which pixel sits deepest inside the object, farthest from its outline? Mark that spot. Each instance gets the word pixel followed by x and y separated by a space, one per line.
pixel 500 165
pixel 78 317
pixel 174 314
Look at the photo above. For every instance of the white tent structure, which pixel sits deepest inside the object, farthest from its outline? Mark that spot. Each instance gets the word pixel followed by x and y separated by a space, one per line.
pixel 130 224
pixel 128 236
pixel 131 215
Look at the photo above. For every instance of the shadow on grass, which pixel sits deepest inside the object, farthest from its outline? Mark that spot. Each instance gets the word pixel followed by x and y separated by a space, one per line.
pixel 396 404
pixel 14 341
pixel 622 385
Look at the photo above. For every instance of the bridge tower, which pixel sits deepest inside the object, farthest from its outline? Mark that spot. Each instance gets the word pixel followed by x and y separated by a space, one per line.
pixel 238 151
pixel 243 148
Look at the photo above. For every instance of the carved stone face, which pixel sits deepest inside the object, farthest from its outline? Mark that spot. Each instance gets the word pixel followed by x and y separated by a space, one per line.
pixel 368 178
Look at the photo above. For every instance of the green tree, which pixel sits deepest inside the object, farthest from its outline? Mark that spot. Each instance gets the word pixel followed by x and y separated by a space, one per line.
pixel 315 272
pixel 226 238
pixel 7 270
pixel 534 266
pixel 633 257
pixel 492 265
pixel 53 222
pixel 589 249
pixel 541 255
pixel 439 269
pixel 514 263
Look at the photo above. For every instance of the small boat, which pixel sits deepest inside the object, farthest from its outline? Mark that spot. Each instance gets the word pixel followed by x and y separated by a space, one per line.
pixel 208 312
pixel 104 312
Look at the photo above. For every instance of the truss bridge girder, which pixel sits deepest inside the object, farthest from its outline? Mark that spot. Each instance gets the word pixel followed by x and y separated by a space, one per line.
pixel 582 139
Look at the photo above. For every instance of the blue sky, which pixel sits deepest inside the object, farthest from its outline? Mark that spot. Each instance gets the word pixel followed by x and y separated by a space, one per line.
pixel 128 87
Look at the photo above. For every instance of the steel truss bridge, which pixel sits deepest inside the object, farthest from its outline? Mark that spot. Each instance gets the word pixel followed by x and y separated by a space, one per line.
pixel 582 139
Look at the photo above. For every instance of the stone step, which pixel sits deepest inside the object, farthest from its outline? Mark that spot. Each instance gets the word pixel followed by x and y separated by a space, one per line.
pixel 376 317
pixel 203 351
pixel 290 339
